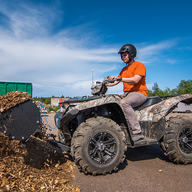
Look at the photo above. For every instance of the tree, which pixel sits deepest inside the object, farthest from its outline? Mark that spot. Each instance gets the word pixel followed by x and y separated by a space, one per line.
pixel 150 93
pixel 157 91
pixel 47 101
pixel 174 92
pixel 155 88
pixel 184 87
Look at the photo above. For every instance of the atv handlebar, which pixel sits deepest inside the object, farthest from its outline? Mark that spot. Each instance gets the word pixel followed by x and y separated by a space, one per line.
pixel 106 81
pixel 100 88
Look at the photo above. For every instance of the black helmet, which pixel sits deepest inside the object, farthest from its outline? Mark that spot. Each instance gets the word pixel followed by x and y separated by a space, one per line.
pixel 130 49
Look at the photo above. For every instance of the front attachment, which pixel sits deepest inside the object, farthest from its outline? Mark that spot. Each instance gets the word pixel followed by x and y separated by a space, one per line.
pixel 21 121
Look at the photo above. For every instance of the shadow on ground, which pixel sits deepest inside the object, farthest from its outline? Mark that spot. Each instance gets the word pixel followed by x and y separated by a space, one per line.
pixel 143 153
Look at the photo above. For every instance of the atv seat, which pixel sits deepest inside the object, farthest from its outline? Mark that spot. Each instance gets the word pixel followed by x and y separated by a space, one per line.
pixel 150 101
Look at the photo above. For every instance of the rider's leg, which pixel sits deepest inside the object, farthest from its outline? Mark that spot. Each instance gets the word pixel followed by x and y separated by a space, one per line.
pixel 133 99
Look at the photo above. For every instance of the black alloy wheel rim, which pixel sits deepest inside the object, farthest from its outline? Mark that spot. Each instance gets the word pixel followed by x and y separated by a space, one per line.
pixel 185 140
pixel 102 148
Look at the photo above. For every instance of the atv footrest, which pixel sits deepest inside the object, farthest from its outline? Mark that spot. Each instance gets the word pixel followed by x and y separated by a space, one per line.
pixel 145 141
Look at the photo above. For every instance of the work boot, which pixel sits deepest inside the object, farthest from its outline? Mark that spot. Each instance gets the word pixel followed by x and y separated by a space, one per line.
pixel 137 137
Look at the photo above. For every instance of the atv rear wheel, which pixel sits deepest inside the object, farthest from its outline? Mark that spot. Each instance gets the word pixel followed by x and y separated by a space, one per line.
pixel 98 146
pixel 177 141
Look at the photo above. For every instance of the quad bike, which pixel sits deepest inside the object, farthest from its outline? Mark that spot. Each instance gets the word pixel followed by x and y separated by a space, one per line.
pixel 97 134
pixel 95 131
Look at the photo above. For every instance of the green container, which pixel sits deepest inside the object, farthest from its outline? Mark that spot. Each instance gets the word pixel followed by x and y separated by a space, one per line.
pixel 6 87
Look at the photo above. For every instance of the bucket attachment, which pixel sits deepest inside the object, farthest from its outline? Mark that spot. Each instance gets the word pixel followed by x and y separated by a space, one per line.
pixel 21 121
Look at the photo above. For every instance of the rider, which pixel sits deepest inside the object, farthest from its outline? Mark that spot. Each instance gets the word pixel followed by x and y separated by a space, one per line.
pixel 135 90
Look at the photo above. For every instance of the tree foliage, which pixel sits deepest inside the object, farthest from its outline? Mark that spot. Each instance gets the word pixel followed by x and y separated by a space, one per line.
pixel 47 101
pixel 185 87
pixel 182 88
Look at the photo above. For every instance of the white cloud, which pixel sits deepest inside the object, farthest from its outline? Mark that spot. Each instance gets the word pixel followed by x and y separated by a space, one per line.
pixel 29 54
pixel 155 52
pixel 171 61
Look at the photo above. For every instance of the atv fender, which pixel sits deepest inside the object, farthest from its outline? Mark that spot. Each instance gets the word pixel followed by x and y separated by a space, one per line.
pixel 112 102
pixel 155 112
pixel 65 120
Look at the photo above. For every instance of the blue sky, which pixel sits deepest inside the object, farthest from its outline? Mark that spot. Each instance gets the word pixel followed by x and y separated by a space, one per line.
pixel 55 44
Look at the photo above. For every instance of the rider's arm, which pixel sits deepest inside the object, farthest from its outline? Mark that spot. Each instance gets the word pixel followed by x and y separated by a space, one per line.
pixel 133 80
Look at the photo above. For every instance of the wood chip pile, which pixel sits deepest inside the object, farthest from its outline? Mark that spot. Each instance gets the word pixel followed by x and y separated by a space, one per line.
pixel 35 166
pixel 11 99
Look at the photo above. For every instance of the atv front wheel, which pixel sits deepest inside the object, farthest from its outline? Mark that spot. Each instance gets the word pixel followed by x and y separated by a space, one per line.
pixel 98 146
pixel 177 141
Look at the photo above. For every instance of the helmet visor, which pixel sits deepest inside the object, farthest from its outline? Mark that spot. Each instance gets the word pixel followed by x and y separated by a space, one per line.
pixel 123 50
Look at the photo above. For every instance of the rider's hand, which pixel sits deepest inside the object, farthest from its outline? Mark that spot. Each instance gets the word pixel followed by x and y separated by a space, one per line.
pixel 111 77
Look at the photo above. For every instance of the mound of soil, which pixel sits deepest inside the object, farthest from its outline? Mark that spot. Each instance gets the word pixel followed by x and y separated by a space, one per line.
pixel 34 167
